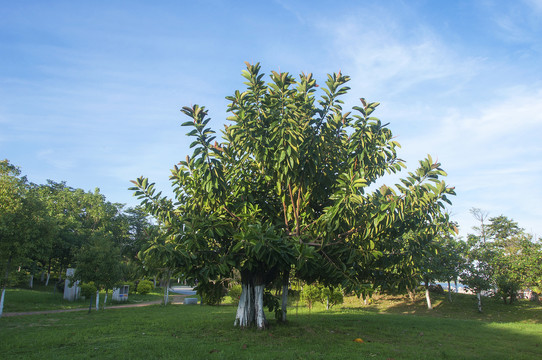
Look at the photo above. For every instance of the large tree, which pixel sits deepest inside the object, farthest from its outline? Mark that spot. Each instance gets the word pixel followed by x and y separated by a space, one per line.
pixel 23 223
pixel 291 186
pixel 414 257
pixel 99 261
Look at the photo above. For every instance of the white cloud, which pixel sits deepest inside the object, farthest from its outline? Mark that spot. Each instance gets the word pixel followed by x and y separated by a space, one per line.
pixel 493 154
pixel 468 112
pixel 515 115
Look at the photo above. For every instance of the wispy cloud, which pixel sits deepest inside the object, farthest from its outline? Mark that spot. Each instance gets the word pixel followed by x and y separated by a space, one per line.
pixel 517 21
pixel 391 57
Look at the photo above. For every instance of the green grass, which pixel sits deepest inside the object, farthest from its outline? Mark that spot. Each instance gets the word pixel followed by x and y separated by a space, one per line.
pixel 390 327
pixel 42 298
pixel 203 332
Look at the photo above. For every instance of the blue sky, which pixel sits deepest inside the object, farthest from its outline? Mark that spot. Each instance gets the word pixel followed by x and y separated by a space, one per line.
pixel 90 92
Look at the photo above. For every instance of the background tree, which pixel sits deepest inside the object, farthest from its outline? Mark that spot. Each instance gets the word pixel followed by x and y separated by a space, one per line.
pixel 503 259
pixel 452 260
pixel 478 272
pixel 23 224
pixel 415 257
pixel 513 257
pixel 99 261
pixel 12 191
pixel 288 189
pixel 481 216
pixel 160 258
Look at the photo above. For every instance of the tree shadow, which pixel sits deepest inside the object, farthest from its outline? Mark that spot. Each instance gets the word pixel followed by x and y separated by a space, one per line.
pixel 463 306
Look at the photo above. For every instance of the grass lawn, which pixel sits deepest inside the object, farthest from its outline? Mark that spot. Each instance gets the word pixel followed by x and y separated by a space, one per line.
pixel 389 327
pixel 42 298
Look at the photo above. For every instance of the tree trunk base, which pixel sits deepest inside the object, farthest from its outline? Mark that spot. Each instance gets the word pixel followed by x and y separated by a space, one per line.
pixel 250 310
pixel 479 297
pixel 284 301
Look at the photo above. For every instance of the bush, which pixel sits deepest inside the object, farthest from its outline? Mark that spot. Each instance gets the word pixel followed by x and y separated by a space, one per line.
pixel 211 293
pixel 325 295
pixel 60 286
pixel 235 293
pixel 294 295
pixel 272 303
pixel 144 287
pixel 331 297
pixel 88 289
pixel 311 294
pixel 19 279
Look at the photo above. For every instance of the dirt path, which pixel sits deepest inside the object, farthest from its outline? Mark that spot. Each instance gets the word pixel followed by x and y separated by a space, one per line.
pixel 174 299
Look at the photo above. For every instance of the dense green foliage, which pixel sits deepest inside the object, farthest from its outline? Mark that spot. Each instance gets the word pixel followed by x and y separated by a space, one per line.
pixel 504 259
pixel 99 261
pixel 45 229
pixel 25 228
pixel 144 287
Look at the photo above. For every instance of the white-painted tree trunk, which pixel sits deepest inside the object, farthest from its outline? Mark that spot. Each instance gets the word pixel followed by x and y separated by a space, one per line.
pixel 31 281
pixel 479 296
pixel 284 301
pixel 428 298
pixel 48 277
pixel 2 301
pixel 6 277
pixel 261 321
pixel 449 291
pixel 105 299
pixel 245 309
pixel 97 300
pixel 166 293
pixel 250 310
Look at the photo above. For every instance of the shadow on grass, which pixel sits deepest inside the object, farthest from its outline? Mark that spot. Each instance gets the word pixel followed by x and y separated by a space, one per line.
pixel 463 306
